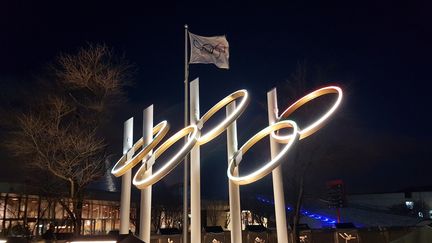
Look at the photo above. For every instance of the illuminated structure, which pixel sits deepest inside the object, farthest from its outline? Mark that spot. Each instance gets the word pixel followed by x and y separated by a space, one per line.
pixel 277 153
pixel 273 163
pixel 25 213
pixel 144 178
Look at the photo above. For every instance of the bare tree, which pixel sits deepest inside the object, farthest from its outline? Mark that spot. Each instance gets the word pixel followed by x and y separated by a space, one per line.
pixel 260 212
pixel 166 206
pixel 156 216
pixel 59 131
pixel 214 210
pixel 308 151
pixel 172 216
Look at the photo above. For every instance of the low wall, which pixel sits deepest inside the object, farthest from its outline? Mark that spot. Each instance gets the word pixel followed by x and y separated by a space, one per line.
pixel 362 235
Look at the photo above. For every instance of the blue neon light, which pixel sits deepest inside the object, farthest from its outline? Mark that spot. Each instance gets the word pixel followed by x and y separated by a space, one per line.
pixel 315 216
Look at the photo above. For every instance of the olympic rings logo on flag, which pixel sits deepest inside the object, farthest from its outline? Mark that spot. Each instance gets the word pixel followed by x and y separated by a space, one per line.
pixel 194 137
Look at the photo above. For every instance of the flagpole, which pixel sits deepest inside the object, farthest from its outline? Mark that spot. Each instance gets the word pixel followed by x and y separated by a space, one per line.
pixel 186 123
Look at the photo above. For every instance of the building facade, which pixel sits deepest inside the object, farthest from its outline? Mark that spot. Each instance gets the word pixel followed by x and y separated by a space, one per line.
pixel 22 213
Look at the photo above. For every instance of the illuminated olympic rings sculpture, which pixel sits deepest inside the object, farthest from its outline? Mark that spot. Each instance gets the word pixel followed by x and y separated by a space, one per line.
pixel 142 182
pixel 318 124
pixel 123 165
pixel 193 133
pixel 289 140
pixel 268 167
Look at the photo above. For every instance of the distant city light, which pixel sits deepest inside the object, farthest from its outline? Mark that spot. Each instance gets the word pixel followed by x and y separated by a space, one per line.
pixel 409 204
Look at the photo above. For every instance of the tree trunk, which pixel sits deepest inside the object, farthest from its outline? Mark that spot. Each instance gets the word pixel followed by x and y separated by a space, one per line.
pixel 296 219
pixel 78 203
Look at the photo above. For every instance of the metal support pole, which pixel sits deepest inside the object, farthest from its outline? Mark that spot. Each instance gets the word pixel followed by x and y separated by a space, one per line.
pixel 234 190
pixel 195 167
pixel 126 179
pixel 146 193
pixel 281 225
pixel 186 123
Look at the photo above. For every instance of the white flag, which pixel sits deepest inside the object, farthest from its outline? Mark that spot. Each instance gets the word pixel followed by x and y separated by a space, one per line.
pixel 209 50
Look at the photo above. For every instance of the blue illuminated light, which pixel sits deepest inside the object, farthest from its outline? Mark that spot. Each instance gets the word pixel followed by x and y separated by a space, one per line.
pixel 303 212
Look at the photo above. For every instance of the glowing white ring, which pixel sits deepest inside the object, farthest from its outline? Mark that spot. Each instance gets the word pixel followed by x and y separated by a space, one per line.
pixel 123 165
pixel 228 120
pixel 142 182
pixel 318 124
pixel 273 163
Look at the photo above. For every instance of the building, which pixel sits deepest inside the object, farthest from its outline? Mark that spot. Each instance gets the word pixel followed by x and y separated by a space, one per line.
pixel 403 208
pixel 23 213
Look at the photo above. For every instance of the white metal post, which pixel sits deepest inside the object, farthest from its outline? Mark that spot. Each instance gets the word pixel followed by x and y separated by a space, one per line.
pixel 126 179
pixel 234 190
pixel 186 123
pixel 195 178
pixel 281 225
pixel 146 193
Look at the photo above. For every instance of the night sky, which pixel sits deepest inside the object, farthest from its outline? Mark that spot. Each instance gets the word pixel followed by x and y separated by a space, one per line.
pixel 380 54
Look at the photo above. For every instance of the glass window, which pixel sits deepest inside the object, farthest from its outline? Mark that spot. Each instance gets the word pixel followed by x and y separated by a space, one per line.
pixel 22 205
pixel 96 209
pixel 12 209
pixel 86 211
pixel 45 209
pixel 59 211
pixel 105 211
pixel 87 227
pixel 31 227
pixel 7 223
pixel 117 224
pixel 116 212
pixel 2 205
pixel 32 207
pixel 113 212
pixel 98 216
pixel 109 225
pixel 99 226
pixel 65 213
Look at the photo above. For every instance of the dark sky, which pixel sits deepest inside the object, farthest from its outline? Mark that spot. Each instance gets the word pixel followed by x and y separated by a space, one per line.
pixel 380 53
